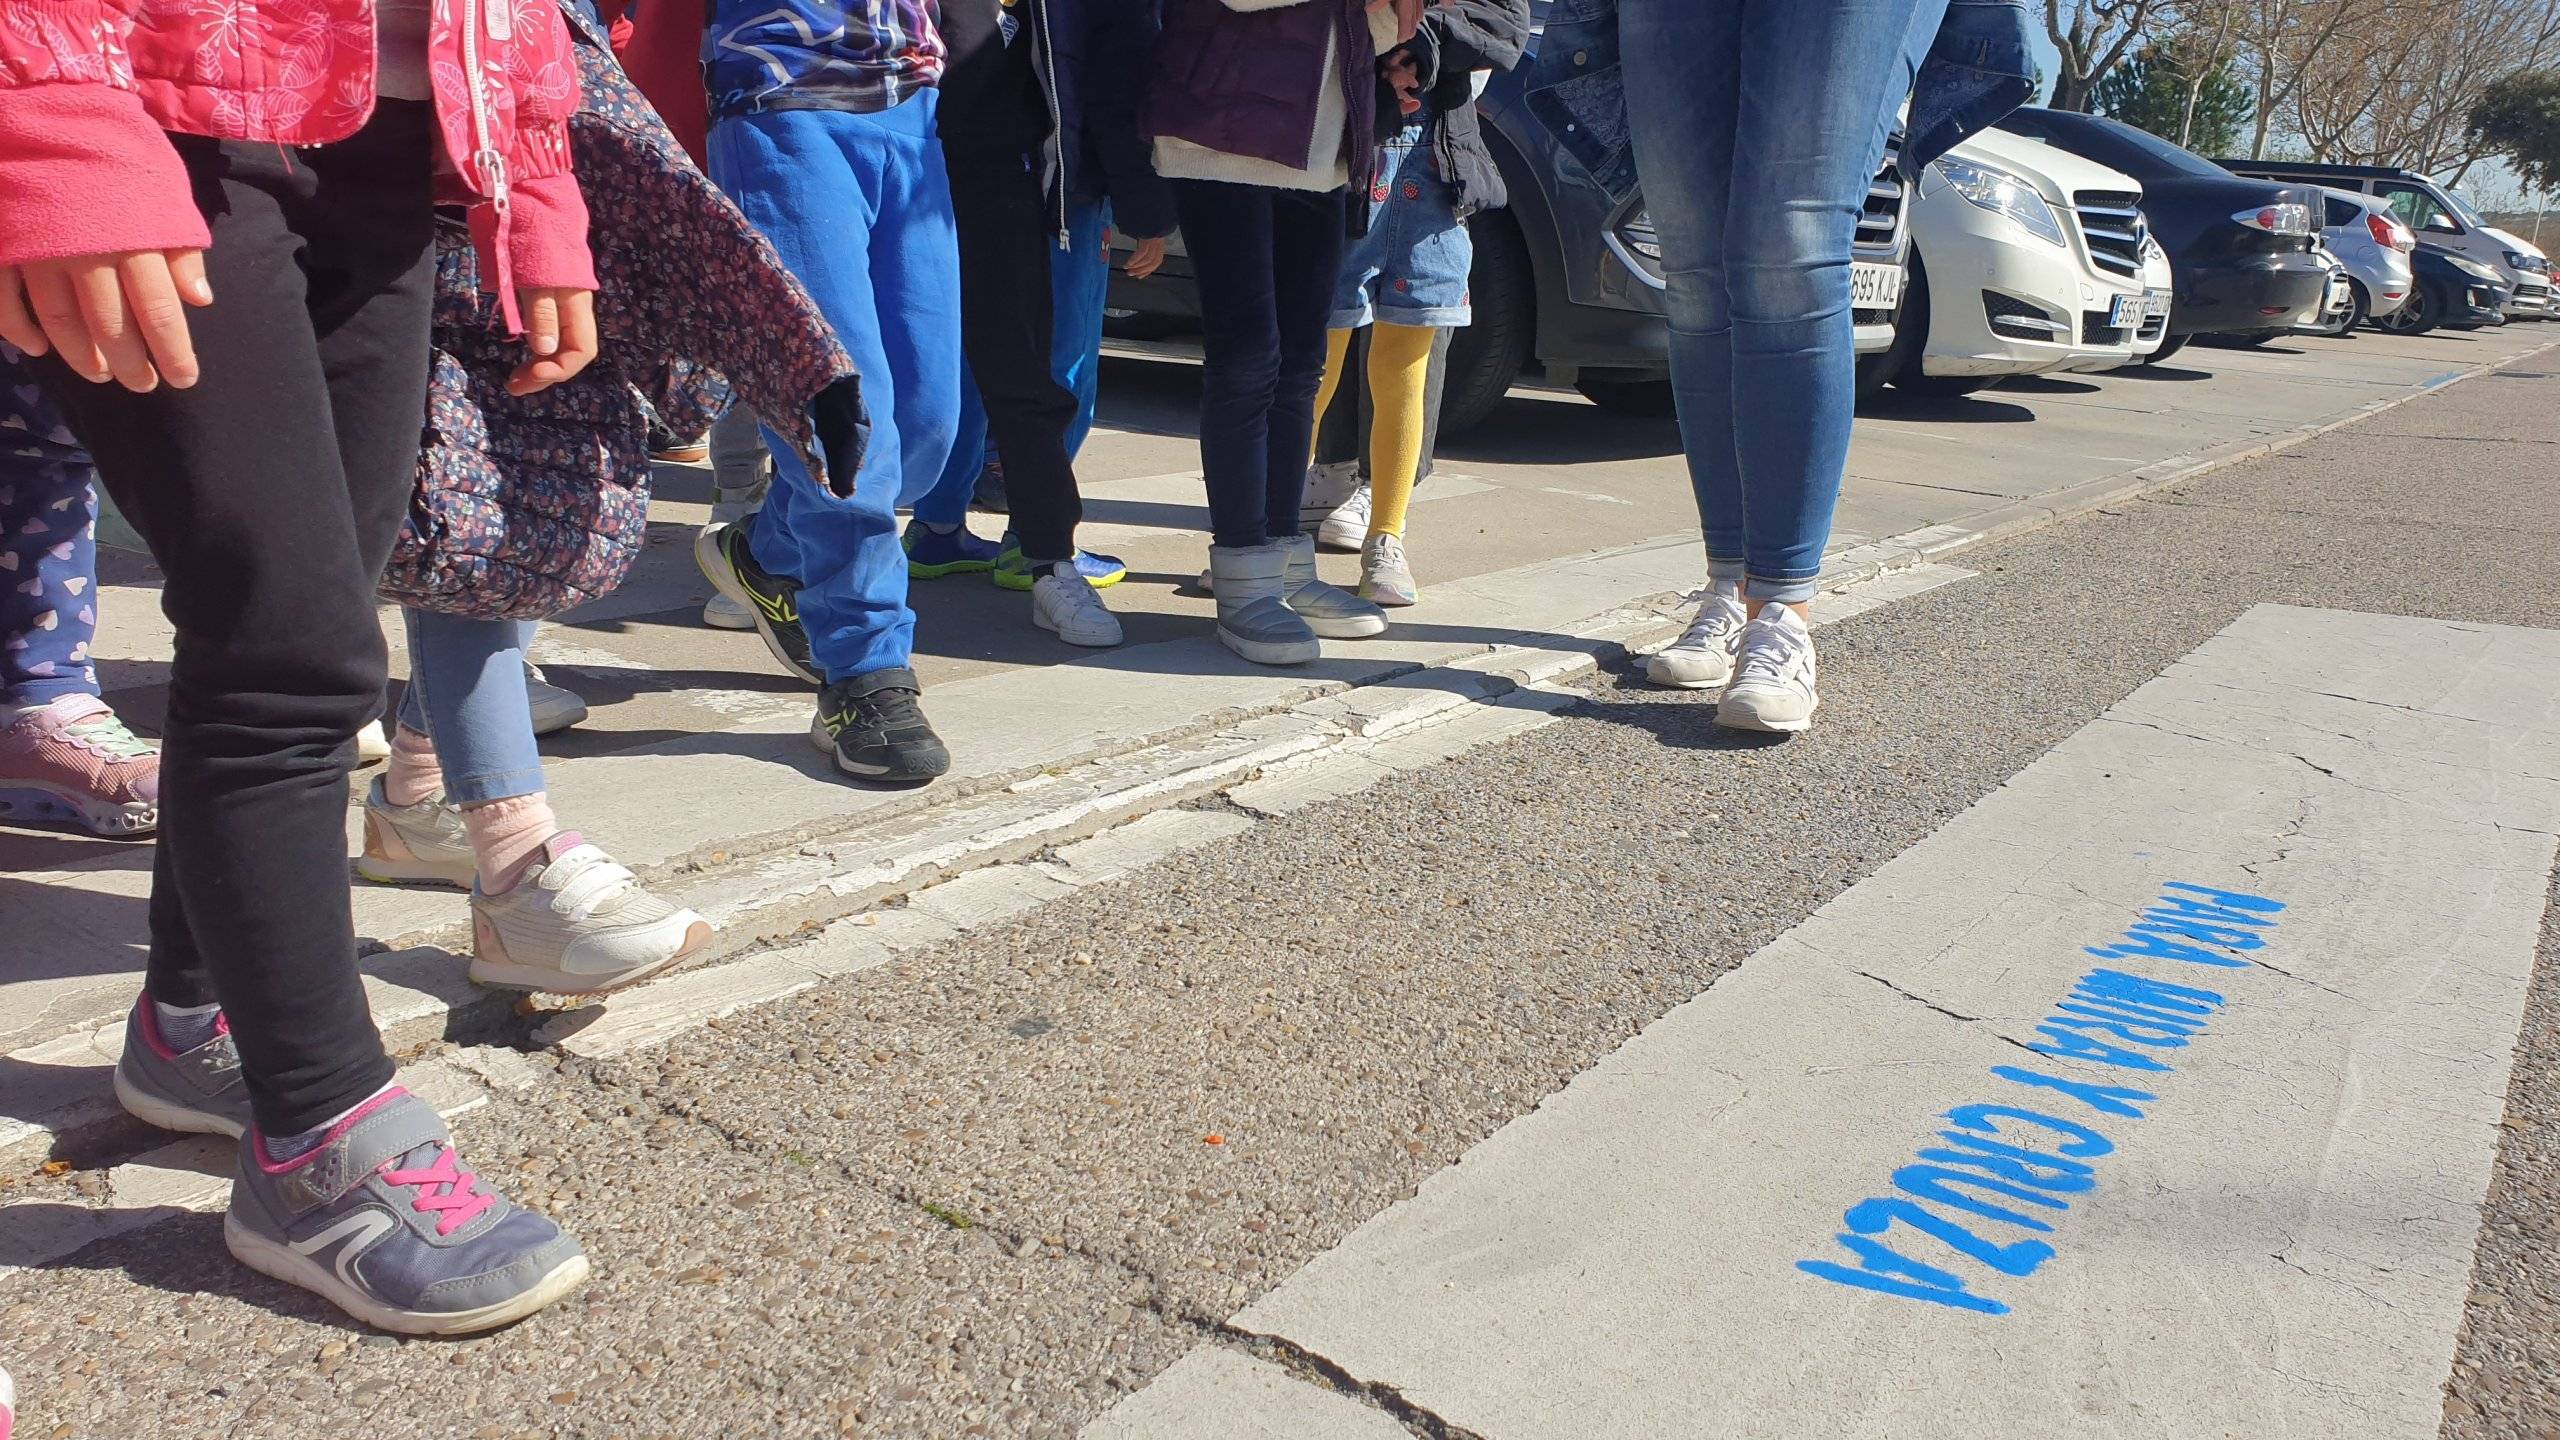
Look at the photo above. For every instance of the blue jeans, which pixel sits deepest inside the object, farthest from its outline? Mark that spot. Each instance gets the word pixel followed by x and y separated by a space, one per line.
pixel 1265 260
pixel 1756 126
pixel 466 692
pixel 859 208
pixel 1412 266
pixel 1079 282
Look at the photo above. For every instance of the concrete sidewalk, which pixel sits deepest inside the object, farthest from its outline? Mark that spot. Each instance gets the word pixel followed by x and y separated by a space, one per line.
pixel 1553 533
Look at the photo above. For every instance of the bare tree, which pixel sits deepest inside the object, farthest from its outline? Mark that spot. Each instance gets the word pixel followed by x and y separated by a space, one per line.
pixel 2399 87
pixel 2093 37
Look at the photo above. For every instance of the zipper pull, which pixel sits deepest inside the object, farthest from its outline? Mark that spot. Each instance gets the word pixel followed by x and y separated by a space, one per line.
pixel 493 176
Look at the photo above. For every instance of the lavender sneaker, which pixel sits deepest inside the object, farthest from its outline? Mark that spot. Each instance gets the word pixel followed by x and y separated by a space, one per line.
pixel 198 1092
pixel 381 1220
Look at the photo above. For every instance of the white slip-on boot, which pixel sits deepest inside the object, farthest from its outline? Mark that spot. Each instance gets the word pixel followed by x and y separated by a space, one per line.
pixel 1253 621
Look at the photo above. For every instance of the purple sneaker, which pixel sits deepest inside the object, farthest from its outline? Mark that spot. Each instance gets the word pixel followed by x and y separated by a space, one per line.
pixel 381 1220
pixel 197 1092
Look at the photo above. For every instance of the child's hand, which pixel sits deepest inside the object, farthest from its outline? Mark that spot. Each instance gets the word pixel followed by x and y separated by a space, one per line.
pixel 560 330
pixel 1143 260
pixel 1406 78
pixel 116 317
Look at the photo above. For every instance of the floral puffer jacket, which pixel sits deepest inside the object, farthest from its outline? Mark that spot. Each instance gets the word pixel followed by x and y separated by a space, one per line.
pixel 527 505
pixel 88 86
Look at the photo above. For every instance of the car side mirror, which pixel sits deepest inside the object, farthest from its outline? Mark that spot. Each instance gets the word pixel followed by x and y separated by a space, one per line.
pixel 2442 226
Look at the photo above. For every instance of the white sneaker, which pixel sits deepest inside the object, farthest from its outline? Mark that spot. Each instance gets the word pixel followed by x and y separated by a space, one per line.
pixel 416 844
pixel 577 924
pixel 1773 675
pixel 1068 606
pixel 372 746
pixel 554 709
pixel 1348 525
pixel 722 613
pixel 1385 578
pixel 1328 485
pixel 1702 658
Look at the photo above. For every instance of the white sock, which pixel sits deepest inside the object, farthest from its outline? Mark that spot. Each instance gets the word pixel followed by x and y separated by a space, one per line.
pixel 285 1147
pixel 184 1027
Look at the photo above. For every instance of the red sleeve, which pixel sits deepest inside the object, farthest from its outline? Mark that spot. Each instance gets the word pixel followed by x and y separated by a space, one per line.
pixel 84 171
pixel 547 234
pixel 664 59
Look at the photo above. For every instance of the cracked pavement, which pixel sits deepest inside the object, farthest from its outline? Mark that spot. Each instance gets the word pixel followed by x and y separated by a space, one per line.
pixel 990 1188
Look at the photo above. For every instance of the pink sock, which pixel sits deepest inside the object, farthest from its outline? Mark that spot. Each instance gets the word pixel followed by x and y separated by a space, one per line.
pixel 413 774
pixel 506 835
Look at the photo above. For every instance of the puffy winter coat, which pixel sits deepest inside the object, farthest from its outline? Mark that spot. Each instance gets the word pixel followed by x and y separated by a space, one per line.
pixel 527 505
pixel 88 86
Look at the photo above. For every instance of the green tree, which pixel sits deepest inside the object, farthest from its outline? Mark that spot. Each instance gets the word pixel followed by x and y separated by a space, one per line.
pixel 2519 117
pixel 2152 91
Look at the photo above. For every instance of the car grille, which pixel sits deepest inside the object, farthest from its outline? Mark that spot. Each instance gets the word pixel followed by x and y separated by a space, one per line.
pixel 2112 224
pixel 2094 329
pixel 2154 328
pixel 1880 222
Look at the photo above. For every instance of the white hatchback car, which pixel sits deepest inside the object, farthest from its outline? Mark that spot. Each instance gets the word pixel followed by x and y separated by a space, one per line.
pixel 2024 259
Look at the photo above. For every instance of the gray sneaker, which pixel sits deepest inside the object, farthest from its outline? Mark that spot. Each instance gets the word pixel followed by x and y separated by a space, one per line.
pixel 382 1221
pixel 196 1092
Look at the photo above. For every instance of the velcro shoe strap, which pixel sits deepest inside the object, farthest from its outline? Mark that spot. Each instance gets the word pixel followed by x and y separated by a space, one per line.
pixel 389 1127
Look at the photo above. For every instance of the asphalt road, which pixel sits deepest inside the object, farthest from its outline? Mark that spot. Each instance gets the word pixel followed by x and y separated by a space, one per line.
pixel 989 1189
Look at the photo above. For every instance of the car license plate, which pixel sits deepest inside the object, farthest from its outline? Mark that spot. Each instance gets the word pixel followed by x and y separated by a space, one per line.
pixel 2132 310
pixel 1874 287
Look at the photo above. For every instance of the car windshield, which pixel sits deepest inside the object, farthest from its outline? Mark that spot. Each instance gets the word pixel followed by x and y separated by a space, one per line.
pixel 2141 155
pixel 2463 211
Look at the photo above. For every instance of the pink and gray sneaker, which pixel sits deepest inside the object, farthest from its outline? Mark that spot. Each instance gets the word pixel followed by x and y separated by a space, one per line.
pixel 74 761
pixel 381 1220
pixel 195 1092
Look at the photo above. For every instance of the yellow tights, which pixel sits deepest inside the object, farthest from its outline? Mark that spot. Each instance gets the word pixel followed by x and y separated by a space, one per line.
pixel 1399 364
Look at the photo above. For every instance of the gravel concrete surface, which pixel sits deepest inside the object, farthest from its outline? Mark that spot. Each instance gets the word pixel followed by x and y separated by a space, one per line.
pixel 989 1188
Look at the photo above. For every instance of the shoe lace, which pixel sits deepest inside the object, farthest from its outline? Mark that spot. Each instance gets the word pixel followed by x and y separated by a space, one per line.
pixel 889 708
pixel 1386 550
pixel 445 1190
pixel 1770 653
pixel 1077 593
pixel 1712 623
pixel 105 734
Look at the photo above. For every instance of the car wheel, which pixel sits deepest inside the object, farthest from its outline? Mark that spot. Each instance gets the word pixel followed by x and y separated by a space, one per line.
pixel 1486 354
pixel 2359 308
pixel 1898 362
pixel 2168 347
pixel 2417 316
pixel 1650 399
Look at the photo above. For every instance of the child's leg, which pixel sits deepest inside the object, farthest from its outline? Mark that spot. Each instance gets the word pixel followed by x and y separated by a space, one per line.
pixel 270 493
pixel 1007 333
pixel 1227 229
pixel 946 505
pixel 1399 366
pixel 740 469
pixel 1306 248
pixel 1337 362
pixel 1079 283
pixel 48 553
pixel 812 182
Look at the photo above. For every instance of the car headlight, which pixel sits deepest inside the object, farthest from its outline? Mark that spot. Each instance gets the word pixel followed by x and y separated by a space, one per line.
pixel 2475 269
pixel 2518 260
pixel 2002 193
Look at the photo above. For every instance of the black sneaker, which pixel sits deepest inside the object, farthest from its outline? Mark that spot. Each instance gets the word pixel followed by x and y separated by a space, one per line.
pixel 730 565
pixel 877 731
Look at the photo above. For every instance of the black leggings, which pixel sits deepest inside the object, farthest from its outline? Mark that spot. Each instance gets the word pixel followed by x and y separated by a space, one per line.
pixel 270 494
pixel 1006 316
pixel 1266 262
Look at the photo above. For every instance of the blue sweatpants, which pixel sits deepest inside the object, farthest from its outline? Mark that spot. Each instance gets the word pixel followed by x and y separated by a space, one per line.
pixel 859 208
pixel 48 548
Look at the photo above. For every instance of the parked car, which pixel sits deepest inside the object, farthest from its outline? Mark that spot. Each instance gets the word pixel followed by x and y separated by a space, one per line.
pixel 2374 246
pixel 2024 259
pixel 2452 290
pixel 2240 248
pixel 1564 283
pixel 2438 215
